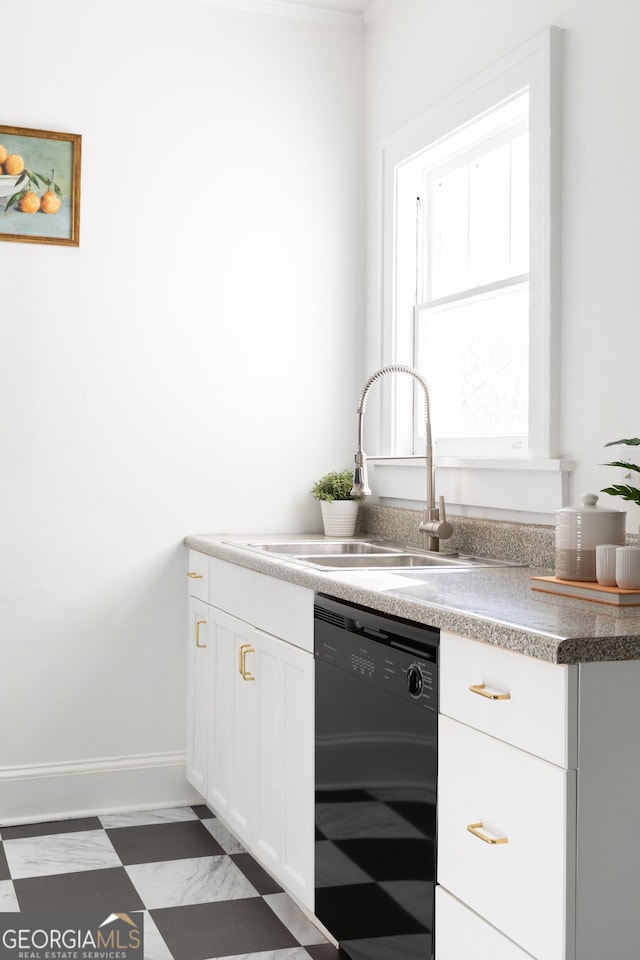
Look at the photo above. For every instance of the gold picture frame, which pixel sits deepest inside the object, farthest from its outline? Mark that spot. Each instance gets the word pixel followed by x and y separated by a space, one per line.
pixel 40 186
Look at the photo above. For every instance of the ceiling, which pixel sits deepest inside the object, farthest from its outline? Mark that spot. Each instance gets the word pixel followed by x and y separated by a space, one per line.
pixel 305 8
pixel 344 6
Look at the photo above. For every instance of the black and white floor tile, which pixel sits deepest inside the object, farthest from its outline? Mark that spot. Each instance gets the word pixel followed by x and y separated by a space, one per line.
pixel 203 897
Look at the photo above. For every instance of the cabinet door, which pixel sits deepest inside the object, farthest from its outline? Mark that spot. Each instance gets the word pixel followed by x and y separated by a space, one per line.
pixel 232 781
pixel 460 933
pixel 261 748
pixel 198 693
pixel 520 876
pixel 283 833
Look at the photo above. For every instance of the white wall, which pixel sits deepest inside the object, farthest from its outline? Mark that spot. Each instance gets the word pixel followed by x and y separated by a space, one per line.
pixel 193 366
pixel 419 52
pixel 186 370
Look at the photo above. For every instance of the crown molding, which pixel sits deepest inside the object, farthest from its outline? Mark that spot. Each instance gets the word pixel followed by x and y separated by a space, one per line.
pixel 291 10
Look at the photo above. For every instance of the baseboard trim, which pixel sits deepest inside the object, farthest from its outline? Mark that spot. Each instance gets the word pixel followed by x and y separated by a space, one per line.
pixel 59 791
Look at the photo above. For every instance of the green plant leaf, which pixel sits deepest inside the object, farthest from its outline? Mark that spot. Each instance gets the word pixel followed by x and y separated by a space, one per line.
pixel 623 464
pixel 634 442
pixel 621 490
pixel 58 191
pixel 21 178
pixel 15 198
pixel 334 486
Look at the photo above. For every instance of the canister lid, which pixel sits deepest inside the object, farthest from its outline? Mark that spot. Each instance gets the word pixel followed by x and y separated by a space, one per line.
pixel 589 505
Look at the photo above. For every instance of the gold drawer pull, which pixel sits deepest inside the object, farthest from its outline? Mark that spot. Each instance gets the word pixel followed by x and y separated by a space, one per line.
pixel 194 575
pixel 476 830
pixel 482 691
pixel 199 623
pixel 245 648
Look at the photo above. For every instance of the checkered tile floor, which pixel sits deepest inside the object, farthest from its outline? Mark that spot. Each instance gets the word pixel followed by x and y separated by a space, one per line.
pixel 202 895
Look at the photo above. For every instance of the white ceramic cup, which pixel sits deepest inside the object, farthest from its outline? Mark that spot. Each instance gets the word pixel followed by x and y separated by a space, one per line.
pixel 628 568
pixel 606 564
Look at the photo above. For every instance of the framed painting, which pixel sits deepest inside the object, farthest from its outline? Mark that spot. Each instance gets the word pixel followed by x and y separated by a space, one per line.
pixel 39 186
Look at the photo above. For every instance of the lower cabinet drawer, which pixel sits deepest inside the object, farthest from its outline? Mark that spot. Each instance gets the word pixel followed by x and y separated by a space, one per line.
pixel 231 589
pixel 285 610
pixel 526 702
pixel 461 934
pixel 198 576
pixel 506 838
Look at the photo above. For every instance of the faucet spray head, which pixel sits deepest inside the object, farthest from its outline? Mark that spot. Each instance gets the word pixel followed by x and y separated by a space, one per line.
pixel 360 486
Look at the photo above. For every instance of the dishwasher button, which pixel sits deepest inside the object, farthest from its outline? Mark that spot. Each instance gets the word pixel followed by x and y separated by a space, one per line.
pixel 361 663
pixel 414 681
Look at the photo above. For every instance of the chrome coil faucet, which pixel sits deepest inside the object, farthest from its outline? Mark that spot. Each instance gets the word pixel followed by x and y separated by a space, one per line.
pixel 434 523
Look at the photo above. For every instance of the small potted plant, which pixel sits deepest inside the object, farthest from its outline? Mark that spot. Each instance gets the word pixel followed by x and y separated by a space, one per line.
pixel 339 508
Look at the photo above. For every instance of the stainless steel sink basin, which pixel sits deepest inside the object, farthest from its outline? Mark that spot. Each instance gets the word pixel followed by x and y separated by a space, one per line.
pixel 321 547
pixel 363 555
pixel 386 560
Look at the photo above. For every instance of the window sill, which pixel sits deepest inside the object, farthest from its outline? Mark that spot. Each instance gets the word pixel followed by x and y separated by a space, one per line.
pixel 503 488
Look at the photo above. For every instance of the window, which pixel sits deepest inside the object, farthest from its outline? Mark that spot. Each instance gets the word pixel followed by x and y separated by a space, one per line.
pixel 469 285
pixel 470 312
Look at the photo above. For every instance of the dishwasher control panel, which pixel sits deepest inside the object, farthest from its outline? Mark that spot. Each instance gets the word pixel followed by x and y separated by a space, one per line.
pixel 399 658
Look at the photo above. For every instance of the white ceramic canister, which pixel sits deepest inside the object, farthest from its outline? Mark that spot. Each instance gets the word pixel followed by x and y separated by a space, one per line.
pixel 628 568
pixel 579 530
pixel 606 563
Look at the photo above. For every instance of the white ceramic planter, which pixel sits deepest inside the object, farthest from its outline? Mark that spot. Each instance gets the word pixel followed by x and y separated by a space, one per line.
pixel 339 517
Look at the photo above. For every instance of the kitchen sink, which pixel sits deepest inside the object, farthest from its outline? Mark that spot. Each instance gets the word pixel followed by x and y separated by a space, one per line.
pixel 320 547
pixel 364 555
pixel 364 561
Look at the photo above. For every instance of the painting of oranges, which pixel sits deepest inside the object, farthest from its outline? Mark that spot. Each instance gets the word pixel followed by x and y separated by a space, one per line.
pixel 39 186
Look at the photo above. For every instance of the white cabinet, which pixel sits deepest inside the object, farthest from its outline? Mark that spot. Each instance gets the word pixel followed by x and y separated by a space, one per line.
pixel 255 704
pixel 198 694
pixel 283 822
pixel 507 794
pixel 462 934
pixel 198 576
pixel 608 827
pixel 543 757
pixel 526 702
pixel 232 736
pixel 275 606
pixel 502 836
pixel 260 777
pixel 197 670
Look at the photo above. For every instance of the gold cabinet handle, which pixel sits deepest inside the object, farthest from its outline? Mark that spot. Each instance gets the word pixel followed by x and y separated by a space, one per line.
pixel 245 648
pixel 482 691
pixel 476 830
pixel 199 623
pixel 194 575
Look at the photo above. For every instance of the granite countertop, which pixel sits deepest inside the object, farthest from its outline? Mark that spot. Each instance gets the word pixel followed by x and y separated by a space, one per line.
pixel 492 604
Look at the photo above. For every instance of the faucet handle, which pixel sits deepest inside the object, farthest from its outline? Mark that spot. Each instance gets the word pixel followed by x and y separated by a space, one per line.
pixel 436 524
pixel 437 528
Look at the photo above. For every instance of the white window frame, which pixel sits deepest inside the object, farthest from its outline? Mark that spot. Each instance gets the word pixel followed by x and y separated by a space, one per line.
pixel 479 139
pixel 536 67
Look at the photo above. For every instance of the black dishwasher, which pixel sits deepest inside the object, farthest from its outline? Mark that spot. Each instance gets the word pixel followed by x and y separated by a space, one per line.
pixel 376 720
